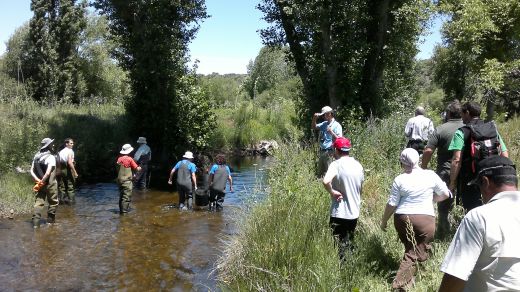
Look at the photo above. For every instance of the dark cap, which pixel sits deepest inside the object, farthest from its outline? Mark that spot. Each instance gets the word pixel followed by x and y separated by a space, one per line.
pixel 493 166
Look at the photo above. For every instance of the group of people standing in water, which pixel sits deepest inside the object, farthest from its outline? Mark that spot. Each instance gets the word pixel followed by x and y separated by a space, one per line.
pixel 55 175
pixel 472 168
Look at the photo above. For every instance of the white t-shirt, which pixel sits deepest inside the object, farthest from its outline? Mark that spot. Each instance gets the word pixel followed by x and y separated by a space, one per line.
pixel 64 154
pixel 413 192
pixel 485 251
pixel 347 178
pixel 418 128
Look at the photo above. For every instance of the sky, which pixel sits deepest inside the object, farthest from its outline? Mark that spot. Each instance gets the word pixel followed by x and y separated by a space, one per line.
pixel 225 43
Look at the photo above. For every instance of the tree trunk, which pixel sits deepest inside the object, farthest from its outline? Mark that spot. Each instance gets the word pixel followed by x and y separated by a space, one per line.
pixel 370 90
pixel 330 64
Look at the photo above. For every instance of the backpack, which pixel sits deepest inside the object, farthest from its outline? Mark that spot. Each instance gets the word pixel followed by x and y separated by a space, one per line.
pixel 484 142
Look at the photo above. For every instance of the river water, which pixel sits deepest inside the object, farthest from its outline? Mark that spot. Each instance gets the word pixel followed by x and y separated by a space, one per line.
pixel 154 247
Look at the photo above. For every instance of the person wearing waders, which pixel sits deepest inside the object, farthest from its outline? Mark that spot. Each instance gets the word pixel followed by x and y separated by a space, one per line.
pixel 125 166
pixel 219 174
pixel 186 180
pixel 142 156
pixel 43 171
pixel 67 172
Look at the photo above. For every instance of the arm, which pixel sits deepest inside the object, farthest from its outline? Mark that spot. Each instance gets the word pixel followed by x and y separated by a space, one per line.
pixel 455 169
pixel 441 197
pixel 70 163
pixel 389 210
pixel 314 119
pixel 230 179
pixel 327 182
pixel 34 176
pixel 171 176
pixel 451 284
pixel 211 175
pixel 426 157
pixel 194 180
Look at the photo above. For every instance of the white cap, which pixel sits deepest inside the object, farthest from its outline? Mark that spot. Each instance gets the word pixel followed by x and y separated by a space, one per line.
pixel 325 109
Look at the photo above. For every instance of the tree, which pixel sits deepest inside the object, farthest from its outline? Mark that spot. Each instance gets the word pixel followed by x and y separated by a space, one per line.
pixel 349 53
pixel 483 36
pixel 153 38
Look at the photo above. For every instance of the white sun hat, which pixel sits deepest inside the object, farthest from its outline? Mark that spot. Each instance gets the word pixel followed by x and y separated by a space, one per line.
pixel 188 155
pixel 127 148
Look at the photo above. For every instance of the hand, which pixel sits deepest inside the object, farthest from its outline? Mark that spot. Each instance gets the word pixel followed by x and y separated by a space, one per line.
pixel 231 189
pixel 337 195
pixel 452 187
pixel 329 129
pixel 383 226
pixel 317 114
pixel 169 181
pixel 75 176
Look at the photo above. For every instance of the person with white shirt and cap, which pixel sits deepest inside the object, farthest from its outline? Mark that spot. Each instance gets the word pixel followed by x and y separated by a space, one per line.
pixel 484 254
pixel 330 130
pixel 411 201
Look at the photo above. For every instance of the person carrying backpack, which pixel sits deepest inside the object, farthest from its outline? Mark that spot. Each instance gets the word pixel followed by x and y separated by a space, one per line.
pixel 472 143
pixel 219 174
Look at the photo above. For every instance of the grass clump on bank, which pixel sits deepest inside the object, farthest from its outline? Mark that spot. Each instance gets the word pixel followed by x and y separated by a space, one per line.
pixel 98 131
pixel 285 242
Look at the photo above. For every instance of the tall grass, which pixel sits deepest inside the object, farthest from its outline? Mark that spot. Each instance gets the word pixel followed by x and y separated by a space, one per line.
pixel 285 242
pixel 98 131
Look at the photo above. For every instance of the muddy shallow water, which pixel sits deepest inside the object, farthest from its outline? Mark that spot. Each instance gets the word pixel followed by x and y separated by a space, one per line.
pixel 92 247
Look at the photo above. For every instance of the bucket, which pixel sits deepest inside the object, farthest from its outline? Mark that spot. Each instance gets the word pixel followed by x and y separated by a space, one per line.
pixel 201 197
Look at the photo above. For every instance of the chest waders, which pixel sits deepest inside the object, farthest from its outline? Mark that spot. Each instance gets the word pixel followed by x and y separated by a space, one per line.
pixel 48 193
pixel 184 184
pixel 218 187
pixel 142 177
pixel 124 180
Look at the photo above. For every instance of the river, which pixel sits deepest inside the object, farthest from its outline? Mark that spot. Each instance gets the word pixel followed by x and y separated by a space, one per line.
pixel 154 247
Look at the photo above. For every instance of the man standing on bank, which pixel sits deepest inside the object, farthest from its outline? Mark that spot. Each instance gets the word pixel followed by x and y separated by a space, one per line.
pixel 440 140
pixel 43 171
pixel 219 174
pixel 330 130
pixel 462 162
pixel 142 157
pixel 484 254
pixel 343 181
pixel 186 180
pixel 68 173
pixel 418 129
pixel 126 166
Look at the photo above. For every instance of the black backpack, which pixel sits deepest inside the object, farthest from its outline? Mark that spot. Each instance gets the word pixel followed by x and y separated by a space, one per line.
pixel 484 142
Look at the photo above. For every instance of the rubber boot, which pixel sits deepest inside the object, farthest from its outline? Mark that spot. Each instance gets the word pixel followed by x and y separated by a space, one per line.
pixel 36 222
pixel 51 218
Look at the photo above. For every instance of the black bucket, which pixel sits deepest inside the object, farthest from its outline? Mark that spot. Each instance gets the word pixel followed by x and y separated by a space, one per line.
pixel 201 197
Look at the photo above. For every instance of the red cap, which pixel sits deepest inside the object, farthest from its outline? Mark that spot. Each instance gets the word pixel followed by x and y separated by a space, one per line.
pixel 342 144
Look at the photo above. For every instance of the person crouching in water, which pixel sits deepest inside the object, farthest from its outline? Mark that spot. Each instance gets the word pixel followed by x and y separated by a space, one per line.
pixel 43 171
pixel 125 166
pixel 219 174
pixel 186 179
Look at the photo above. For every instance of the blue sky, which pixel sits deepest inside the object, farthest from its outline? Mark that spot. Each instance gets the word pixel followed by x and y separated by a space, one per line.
pixel 225 43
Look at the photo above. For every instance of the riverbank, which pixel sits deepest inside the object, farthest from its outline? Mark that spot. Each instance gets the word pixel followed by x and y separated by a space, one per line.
pixel 284 243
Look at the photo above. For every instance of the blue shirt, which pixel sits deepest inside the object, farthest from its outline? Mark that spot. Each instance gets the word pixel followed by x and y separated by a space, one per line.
pixel 191 165
pixel 215 167
pixel 326 137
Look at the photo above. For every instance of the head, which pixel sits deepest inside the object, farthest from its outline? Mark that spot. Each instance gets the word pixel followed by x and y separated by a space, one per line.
pixel 494 175
pixel 47 145
pixel 69 143
pixel 419 111
pixel 327 113
pixel 342 146
pixel 454 110
pixel 141 140
pixel 126 149
pixel 220 159
pixel 188 155
pixel 409 159
pixel 470 110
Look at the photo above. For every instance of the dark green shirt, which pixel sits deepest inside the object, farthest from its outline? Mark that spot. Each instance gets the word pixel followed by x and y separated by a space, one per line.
pixel 440 139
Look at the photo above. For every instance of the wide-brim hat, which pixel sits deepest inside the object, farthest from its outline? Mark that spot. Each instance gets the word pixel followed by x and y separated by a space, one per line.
pixel 325 109
pixel 141 140
pixel 494 166
pixel 188 155
pixel 46 142
pixel 127 148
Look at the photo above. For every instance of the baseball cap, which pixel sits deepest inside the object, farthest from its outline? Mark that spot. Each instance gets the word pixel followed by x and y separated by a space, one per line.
pixel 325 109
pixel 492 166
pixel 342 144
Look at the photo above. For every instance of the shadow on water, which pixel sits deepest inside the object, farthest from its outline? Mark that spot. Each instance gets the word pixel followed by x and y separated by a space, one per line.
pixel 91 247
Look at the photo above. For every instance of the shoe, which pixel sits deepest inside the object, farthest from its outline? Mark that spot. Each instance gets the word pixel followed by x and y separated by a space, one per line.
pixel 51 218
pixel 36 223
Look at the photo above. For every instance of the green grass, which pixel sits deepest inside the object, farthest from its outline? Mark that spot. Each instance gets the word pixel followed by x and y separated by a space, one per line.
pixel 285 243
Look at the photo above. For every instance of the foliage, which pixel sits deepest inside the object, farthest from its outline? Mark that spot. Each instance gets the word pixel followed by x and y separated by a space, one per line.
pixel 223 90
pixel 153 37
pixel 481 52
pixel 349 53
pixel 52 64
pixel 269 68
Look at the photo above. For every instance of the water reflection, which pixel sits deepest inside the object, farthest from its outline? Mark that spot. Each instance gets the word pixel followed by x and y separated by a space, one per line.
pixel 93 248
